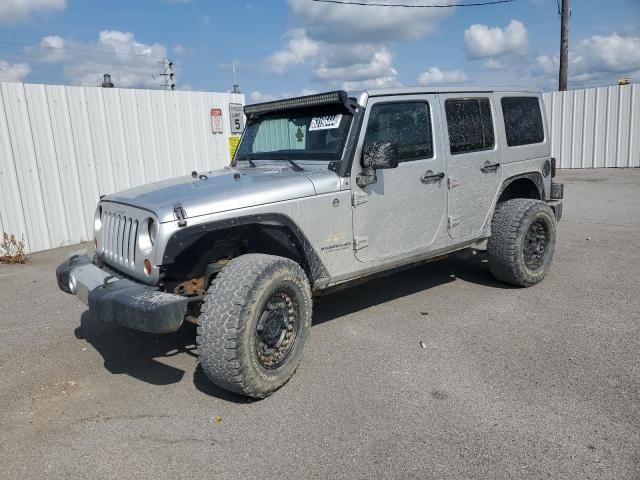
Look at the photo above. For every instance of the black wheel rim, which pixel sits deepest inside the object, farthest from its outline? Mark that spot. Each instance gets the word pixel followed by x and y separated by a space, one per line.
pixel 535 246
pixel 276 330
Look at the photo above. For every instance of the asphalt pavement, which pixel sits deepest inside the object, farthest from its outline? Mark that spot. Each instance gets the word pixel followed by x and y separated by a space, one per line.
pixel 511 383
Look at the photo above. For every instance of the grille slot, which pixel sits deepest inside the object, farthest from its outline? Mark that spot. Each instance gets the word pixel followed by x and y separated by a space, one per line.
pixel 118 238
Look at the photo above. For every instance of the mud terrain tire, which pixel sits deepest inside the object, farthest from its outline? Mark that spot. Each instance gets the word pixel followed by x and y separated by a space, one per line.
pixel 254 297
pixel 522 242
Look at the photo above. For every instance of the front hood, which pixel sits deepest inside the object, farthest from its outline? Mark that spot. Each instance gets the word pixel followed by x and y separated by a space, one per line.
pixel 227 189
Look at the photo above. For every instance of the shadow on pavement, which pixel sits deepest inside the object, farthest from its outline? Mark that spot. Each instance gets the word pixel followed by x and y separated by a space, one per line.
pixel 469 265
pixel 135 353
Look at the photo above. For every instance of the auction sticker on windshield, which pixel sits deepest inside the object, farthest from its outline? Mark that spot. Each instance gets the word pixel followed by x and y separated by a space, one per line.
pixel 325 123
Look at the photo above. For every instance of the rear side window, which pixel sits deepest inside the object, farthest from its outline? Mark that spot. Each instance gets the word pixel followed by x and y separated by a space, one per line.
pixel 407 124
pixel 522 120
pixel 470 125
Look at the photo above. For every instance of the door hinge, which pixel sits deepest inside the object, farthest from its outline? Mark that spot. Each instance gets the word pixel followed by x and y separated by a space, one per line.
pixel 359 198
pixel 452 183
pixel 453 221
pixel 360 242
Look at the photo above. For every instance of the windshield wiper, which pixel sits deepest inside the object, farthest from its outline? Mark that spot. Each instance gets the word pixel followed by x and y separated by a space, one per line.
pixel 247 159
pixel 294 165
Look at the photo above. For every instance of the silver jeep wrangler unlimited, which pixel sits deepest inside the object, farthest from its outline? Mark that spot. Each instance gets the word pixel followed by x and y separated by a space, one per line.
pixel 324 189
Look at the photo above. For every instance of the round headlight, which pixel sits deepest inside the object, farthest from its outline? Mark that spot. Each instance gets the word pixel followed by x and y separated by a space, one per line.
pixel 148 234
pixel 153 231
pixel 97 220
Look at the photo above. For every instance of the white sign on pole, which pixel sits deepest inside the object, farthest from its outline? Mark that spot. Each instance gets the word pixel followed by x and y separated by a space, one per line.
pixel 236 115
pixel 216 120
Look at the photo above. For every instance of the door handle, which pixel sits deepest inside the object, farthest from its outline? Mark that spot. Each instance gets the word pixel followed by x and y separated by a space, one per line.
pixel 490 167
pixel 429 176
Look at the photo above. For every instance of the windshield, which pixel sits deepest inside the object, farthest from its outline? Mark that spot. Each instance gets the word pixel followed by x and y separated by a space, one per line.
pixel 317 133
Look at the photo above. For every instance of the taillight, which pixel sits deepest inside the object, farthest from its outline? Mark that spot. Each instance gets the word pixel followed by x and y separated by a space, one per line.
pixel 553 167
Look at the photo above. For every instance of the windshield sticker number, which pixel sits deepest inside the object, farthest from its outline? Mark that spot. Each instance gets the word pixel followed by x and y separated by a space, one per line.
pixel 325 123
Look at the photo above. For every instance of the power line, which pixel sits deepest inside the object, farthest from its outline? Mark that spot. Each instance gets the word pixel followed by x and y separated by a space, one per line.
pixel 404 5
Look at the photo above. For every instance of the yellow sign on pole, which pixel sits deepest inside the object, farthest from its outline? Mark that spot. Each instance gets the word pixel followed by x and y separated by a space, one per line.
pixel 234 141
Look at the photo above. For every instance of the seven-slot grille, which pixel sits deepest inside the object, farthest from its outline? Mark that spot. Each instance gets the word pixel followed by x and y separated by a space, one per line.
pixel 118 238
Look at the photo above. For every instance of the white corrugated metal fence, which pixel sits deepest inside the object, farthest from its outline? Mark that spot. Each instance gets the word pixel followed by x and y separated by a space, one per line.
pixel 594 128
pixel 62 147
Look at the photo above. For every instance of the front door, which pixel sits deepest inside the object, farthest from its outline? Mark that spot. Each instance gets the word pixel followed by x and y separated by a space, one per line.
pixel 473 162
pixel 404 210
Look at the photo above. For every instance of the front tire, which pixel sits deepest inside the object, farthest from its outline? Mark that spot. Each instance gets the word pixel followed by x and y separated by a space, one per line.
pixel 254 323
pixel 522 242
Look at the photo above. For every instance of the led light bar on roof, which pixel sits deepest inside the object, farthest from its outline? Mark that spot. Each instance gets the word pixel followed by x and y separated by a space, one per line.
pixel 329 98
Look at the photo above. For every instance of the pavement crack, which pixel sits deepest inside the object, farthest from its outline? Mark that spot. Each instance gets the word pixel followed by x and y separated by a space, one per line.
pixel 100 419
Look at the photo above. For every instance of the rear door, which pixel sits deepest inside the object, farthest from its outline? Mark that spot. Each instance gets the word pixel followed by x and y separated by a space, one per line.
pixel 473 161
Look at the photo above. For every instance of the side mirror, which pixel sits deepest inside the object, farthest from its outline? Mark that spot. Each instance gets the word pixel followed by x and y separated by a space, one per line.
pixel 377 155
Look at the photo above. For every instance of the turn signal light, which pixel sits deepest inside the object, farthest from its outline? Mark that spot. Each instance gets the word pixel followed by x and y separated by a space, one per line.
pixel 147 267
pixel 553 167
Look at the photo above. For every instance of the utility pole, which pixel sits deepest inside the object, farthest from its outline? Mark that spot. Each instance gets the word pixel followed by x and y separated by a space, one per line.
pixel 565 13
pixel 169 79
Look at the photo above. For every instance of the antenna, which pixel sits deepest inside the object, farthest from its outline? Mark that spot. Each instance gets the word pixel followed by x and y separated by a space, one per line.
pixel 236 87
pixel 169 78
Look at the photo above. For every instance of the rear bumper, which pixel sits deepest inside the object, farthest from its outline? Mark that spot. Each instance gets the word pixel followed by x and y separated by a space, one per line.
pixel 120 300
pixel 556 194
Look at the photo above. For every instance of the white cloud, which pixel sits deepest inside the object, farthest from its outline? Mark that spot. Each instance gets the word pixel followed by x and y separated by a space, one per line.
pixel 614 53
pixel 484 41
pixel 260 97
pixel 181 50
pixel 52 49
pixel 379 65
pixel 15 72
pixel 435 76
pixel 349 46
pixel 496 64
pixel 351 66
pixel 594 61
pixel 375 71
pixel 16 10
pixel 131 63
pixel 335 23
pixel 298 49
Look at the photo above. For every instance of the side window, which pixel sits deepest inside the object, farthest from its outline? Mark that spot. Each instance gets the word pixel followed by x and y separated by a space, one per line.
pixel 470 125
pixel 408 124
pixel 522 120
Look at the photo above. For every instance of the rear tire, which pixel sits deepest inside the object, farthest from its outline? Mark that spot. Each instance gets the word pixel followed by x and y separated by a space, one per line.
pixel 522 242
pixel 254 323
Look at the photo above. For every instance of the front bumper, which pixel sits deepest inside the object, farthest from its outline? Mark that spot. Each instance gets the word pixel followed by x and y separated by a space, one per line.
pixel 119 300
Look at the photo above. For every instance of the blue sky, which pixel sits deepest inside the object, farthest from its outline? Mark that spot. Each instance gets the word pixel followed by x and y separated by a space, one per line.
pixel 288 47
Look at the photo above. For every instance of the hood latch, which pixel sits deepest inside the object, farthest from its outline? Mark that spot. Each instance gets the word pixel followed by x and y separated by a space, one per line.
pixel 180 214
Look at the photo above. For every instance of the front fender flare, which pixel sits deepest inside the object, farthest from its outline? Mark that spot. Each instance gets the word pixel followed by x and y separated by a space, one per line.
pixel 315 268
